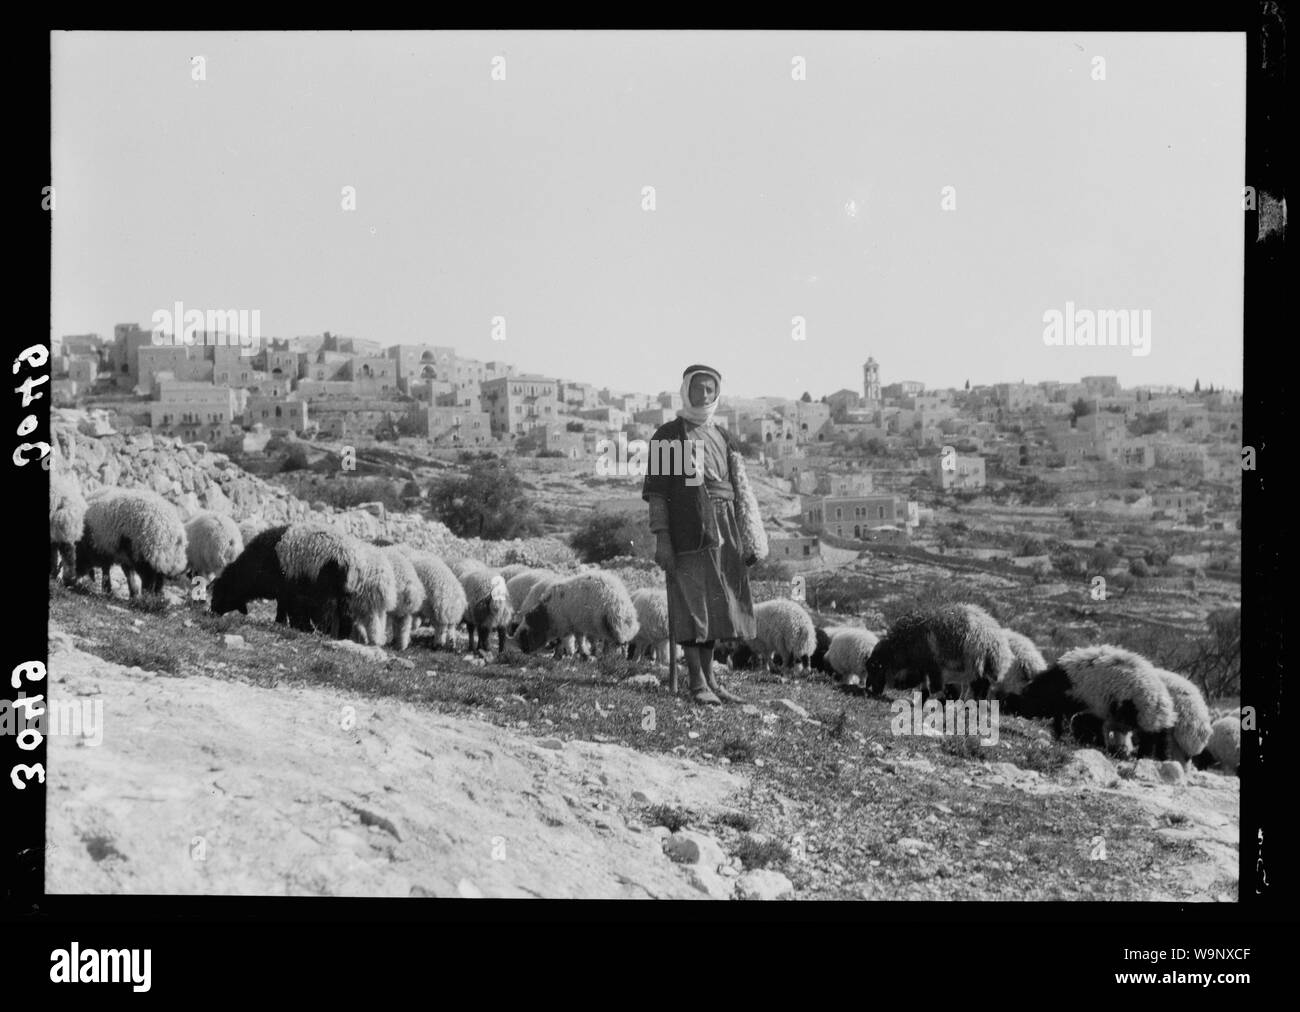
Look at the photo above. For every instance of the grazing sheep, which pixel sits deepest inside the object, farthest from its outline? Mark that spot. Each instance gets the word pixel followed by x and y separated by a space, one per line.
pixel 212 542
pixel 594 604
pixel 371 594
pixel 444 597
pixel 139 531
pixel 1192 727
pixel 255 574
pixel 784 632
pixel 847 655
pixel 825 634
pixel 410 595
pixel 521 582
pixel 1224 746
pixel 487 606
pixel 462 566
pixel 1026 664
pixel 512 570
pixel 319 567
pixel 1110 684
pixel 923 646
pixel 67 523
pixel 652 636
pixel 538 583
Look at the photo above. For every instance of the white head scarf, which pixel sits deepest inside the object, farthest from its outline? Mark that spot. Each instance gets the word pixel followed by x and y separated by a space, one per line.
pixel 698 415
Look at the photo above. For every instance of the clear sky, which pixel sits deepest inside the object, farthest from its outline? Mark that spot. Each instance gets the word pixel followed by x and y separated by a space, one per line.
pixel 774 198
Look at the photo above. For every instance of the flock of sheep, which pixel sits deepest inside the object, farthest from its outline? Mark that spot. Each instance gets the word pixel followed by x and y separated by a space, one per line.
pixel 1109 697
pixel 378 593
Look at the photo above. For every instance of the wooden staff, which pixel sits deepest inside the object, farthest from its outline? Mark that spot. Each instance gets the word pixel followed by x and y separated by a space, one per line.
pixel 672 643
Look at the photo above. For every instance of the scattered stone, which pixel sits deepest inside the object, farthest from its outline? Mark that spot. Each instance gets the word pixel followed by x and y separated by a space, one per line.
pixel 551 743
pixel 644 798
pixel 764 884
pixel 791 707
pixel 418 890
pixel 1147 770
pixel 404 662
pixel 233 640
pixel 689 847
pixel 911 845
pixel 877 749
pixel 1172 772
pixel 643 681
pixel 1090 766
pixel 692 734
pixel 751 710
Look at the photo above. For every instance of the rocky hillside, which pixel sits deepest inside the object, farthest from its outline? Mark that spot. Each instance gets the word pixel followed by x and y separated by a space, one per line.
pixel 194 478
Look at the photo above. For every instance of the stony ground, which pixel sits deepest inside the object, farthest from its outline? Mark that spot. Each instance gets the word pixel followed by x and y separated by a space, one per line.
pixel 241 758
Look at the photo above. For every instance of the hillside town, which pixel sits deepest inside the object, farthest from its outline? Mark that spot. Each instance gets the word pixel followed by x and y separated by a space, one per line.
pixel 860 466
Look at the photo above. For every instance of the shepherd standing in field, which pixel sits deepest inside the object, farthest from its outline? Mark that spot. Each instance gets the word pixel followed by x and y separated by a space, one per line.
pixel 707 528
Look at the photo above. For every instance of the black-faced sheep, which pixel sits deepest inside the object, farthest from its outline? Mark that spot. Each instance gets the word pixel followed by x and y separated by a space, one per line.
pixel 935 647
pixel 212 542
pixel 487 606
pixel 521 582
pixel 1026 664
pixel 410 595
pixel 67 523
pixel 319 567
pixel 538 582
pixel 139 531
pixel 1108 684
pixel 444 597
pixel 594 604
pixel 818 661
pixel 783 633
pixel 254 575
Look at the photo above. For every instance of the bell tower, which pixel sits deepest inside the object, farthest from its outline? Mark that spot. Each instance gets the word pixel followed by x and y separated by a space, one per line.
pixel 871 384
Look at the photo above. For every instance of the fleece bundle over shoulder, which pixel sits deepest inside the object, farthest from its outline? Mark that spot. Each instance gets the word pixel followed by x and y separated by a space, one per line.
pixel 691 523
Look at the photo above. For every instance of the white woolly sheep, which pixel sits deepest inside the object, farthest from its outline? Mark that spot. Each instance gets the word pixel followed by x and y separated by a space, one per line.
pixel 653 635
pixel 212 542
pixel 410 595
pixel 1026 664
pixel 139 531
pixel 1224 746
pixel 1109 684
pixel 444 597
pixel 538 582
pixel 783 632
pixel 371 594
pixel 594 604
pixel 1191 730
pixel 514 569
pixel 848 653
pixel 487 606
pixel 464 565
pixel 319 570
pixel 521 582
pixel 67 523
pixel 934 647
